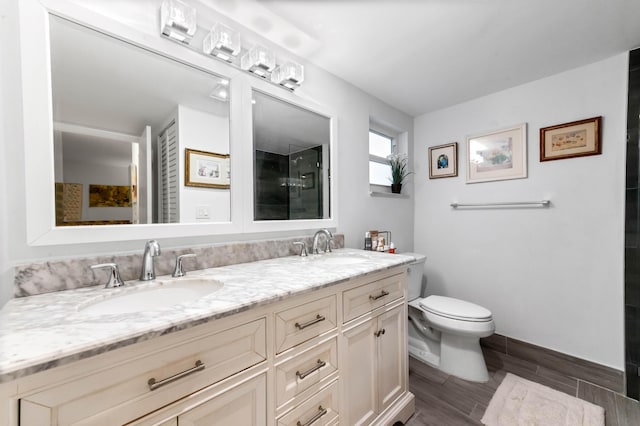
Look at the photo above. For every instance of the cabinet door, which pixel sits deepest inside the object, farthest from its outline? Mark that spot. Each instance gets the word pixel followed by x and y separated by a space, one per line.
pixel 360 373
pixel 245 404
pixel 391 357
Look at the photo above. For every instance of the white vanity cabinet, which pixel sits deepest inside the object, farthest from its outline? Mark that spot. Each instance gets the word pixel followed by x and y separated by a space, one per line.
pixel 374 371
pixel 137 382
pixel 336 355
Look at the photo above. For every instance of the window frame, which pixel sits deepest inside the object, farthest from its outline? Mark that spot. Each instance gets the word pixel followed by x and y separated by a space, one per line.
pixel 382 160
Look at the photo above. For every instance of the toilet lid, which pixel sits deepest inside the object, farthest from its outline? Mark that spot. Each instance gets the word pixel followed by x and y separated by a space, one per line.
pixel 455 308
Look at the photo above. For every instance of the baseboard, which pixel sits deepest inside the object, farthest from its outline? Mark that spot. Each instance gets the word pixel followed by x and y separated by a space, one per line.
pixel 587 371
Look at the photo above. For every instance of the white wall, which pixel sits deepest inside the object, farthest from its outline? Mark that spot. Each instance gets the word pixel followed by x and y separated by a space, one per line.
pixel 357 213
pixel 552 277
pixel 5 107
pixel 206 132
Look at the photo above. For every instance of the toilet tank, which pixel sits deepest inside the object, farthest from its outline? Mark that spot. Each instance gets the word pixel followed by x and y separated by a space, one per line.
pixel 414 275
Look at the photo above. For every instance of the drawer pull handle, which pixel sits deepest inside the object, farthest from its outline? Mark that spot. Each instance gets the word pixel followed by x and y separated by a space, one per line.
pixel 381 295
pixel 304 325
pixel 321 412
pixel 378 333
pixel 313 369
pixel 153 384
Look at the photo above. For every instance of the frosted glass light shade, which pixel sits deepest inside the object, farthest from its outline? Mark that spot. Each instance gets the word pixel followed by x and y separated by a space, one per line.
pixel 259 60
pixel 178 20
pixel 289 75
pixel 222 42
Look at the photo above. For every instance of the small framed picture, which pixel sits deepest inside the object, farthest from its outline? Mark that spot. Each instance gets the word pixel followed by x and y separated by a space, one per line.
pixel 497 155
pixel 443 161
pixel 568 140
pixel 206 169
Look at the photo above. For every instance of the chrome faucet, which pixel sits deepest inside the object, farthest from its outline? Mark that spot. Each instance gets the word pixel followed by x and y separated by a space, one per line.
pixel 328 238
pixel 114 274
pixel 151 250
pixel 178 271
pixel 303 248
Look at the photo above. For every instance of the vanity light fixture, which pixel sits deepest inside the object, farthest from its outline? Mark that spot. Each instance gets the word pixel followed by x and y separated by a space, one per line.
pixel 290 75
pixel 222 42
pixel 178 20
pixel 258 60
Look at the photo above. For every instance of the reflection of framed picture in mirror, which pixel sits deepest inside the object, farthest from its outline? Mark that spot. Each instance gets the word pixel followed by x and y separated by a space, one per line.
pixel 568 140
pixel 497 155
pixel 206 169
pixel 443 161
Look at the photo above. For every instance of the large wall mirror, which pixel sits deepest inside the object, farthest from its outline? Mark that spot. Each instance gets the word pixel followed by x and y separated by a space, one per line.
pixel 107 104
pixel 123 117
pixel 291 161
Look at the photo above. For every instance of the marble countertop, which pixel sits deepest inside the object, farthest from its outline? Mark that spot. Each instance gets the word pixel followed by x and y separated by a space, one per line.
pixel 41 332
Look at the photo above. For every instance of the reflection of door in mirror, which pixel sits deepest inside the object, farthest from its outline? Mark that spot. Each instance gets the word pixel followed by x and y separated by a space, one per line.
pixel 291 161
pixel 112 103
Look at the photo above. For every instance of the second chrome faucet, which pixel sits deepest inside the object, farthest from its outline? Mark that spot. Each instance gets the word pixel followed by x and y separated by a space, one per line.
pixel 148 270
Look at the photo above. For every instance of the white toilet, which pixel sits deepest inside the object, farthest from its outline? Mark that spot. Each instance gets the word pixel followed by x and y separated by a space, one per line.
pixel 445 332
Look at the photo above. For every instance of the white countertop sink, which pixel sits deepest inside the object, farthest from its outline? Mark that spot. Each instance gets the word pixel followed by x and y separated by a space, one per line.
pixel 339 259
pixel 157 295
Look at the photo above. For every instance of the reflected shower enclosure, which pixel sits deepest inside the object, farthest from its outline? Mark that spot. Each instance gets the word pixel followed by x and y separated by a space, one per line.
pixel 291 161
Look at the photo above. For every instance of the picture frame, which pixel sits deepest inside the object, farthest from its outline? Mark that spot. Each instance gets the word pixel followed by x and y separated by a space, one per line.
pixel 206 169
pixel 109 195
pixel 497 155
pixel 569 140
pixel 443 161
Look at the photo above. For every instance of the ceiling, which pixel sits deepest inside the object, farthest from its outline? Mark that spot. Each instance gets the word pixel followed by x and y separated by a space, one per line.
pixel 424 55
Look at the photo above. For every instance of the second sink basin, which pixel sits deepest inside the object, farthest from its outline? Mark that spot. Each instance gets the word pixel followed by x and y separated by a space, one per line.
pixel 329 259
pixel 160 294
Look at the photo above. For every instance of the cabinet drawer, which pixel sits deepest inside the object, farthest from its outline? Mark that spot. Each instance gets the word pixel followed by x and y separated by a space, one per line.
pixel 305 370
pixel 236 402
pixel 363 299
pixel 122 393
pixel 301 323
pixel 319 410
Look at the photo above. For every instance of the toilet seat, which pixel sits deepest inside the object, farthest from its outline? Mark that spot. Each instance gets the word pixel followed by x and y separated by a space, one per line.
pixel 455 309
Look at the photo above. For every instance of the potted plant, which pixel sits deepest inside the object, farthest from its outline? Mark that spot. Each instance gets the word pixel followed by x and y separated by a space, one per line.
pixel 399 171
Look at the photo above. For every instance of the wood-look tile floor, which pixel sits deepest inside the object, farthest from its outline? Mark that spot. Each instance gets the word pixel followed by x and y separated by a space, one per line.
pixel 444 400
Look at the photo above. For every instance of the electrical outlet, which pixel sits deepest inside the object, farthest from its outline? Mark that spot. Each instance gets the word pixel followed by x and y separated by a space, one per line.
pixel 202 212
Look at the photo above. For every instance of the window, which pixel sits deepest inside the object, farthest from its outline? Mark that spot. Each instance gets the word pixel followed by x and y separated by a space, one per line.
pixel 380 147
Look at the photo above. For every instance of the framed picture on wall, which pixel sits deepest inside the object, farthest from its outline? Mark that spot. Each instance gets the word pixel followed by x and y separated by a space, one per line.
pixel 497 155
pixel 443 161
pixel 206 169
pixel 568 140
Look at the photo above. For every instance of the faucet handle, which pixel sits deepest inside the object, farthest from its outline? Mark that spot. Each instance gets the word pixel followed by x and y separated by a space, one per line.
pixel 178 271
pixel 303 248
pixel 114 274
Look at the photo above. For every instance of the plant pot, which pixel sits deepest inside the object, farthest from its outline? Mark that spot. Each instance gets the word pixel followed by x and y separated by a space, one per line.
pixel 396 188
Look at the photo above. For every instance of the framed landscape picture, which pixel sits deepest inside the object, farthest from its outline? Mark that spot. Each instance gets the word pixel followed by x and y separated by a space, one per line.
pixel 443 161
pixel 206 169
pixel 497 155
pixel 568 140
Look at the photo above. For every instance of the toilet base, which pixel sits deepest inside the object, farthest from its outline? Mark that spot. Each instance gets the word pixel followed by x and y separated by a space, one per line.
pixel 462 357
pixel 419 350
